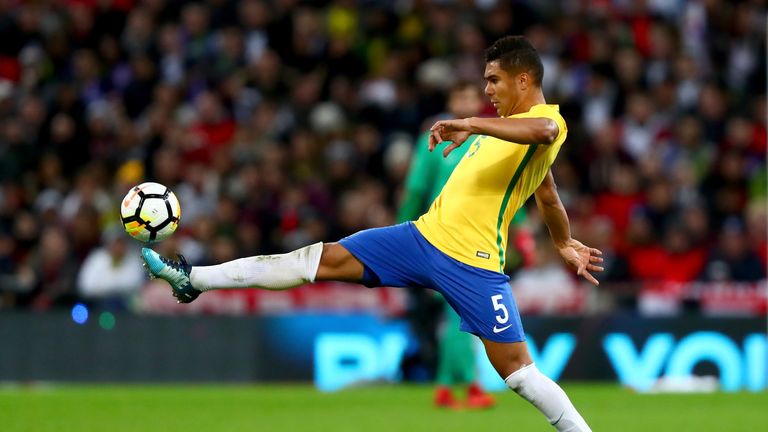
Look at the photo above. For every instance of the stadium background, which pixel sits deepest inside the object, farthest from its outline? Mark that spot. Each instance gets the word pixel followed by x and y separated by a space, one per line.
pixel 281 123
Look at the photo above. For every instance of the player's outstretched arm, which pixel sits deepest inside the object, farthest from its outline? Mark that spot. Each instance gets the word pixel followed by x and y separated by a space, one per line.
pixel 517 130
pixel 578 256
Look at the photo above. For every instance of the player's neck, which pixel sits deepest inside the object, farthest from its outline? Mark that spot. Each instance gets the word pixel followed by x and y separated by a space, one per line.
pixel 528 102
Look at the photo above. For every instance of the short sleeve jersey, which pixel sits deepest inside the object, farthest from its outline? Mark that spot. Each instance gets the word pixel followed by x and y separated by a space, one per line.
pixel 469 220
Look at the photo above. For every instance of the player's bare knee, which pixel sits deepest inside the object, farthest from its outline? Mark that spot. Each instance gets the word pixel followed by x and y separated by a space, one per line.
pixel 509 365
pixel 508 358
pixel 514 365
pixel 331 258
pixel 336 263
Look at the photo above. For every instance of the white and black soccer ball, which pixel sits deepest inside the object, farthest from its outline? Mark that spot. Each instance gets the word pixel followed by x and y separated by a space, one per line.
pixel 150 212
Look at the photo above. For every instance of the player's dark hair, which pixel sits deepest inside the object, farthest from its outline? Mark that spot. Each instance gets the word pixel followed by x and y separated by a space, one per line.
pixel 515 54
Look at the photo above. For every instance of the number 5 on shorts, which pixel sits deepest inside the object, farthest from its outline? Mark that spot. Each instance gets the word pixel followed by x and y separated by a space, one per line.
pixel 498 305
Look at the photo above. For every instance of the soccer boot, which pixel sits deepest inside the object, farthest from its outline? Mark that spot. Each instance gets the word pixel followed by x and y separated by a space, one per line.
pixel 444 399
pixel 479 399
pixel 176 273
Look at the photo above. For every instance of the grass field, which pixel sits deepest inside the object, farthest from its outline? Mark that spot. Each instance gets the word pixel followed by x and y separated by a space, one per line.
pixel 401 408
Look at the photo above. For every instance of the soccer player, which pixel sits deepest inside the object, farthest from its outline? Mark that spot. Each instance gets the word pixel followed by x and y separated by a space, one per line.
pixel 426 177
pixel 457 247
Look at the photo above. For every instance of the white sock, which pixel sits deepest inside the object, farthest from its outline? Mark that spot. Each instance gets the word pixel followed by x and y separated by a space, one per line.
pixel 274 272
pixel 548 397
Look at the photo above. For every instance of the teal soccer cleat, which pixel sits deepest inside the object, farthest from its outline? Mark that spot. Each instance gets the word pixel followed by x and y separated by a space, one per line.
pixel 176 273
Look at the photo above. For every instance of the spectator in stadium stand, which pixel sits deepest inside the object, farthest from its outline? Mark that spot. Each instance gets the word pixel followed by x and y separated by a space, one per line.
pixel 683 259
pixel 673 257
pixel 108 276
pixel 54 271
pixel 644 254
pixel 687 145
pixel 211 131
pixel 640 126
pixel 733 259
pixel 659 206
pixel 620 199
pixel 725 188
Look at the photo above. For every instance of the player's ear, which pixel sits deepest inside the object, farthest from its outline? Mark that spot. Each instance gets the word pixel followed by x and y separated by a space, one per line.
pixel 523 80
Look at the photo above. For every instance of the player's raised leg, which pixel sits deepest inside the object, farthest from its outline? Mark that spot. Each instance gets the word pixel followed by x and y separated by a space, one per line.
pixel 329 261
pixel 513 363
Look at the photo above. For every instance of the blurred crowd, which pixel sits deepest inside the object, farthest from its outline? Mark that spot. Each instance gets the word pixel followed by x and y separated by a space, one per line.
pixel 279 123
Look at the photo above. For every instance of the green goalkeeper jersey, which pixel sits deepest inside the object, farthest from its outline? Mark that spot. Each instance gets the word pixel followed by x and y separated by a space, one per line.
pixel 426 177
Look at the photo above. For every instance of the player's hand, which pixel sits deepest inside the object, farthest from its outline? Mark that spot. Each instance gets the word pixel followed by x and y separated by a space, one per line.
pixel 582 258
pixel 455 131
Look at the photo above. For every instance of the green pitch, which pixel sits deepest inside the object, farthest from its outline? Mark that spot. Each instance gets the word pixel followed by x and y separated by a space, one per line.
pixel 397 408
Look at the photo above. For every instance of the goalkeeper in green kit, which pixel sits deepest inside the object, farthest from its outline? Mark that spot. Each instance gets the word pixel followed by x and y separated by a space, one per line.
pixel 426 177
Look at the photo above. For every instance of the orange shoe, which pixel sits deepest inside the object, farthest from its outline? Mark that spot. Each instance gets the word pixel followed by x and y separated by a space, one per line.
pixel 444 398
pixel 477 398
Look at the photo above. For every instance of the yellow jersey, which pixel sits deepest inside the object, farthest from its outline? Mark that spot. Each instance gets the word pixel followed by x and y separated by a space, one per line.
pixel 469 220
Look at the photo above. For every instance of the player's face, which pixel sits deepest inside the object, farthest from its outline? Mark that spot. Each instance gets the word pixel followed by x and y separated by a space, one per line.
pixel 501 88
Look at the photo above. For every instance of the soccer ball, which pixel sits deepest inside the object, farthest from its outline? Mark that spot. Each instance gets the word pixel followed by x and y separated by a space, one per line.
pixel 150 212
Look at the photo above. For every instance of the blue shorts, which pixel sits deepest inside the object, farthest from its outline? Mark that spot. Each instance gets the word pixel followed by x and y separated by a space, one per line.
pixel 399 256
